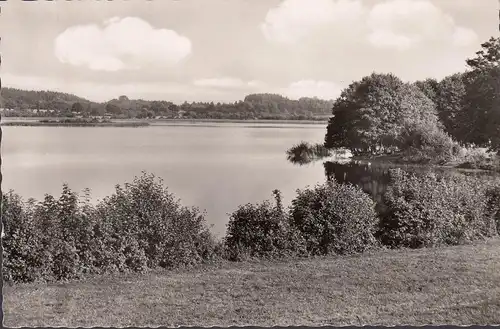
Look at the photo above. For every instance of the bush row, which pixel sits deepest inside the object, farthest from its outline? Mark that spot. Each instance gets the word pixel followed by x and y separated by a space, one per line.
pixel 142 226
pixel 418 210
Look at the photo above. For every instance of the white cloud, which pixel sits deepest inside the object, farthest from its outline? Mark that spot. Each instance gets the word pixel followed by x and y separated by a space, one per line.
pixel 463 37
pixel 226 82
pixel 294 20
pixel 121 43
pixel 403 24
pixel 389 39
pixel 396 24
pixel 312 88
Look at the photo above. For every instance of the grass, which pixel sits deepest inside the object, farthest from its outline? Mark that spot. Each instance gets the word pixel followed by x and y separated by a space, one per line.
pixel 454 285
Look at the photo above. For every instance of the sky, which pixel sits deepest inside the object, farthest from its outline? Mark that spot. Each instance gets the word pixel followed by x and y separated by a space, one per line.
pixel 222 50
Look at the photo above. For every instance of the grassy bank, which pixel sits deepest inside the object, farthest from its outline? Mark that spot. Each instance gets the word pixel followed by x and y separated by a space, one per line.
pixel 453 285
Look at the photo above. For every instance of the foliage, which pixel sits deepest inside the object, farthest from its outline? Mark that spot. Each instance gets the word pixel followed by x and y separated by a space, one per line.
pixel 430 210
pixel 477 158
pixel 482 104
pixel 261 230
pixel 487 57
pixel 140 226
pixel 429 87
pixel 482 108
pixel 304 152
pixel 77 107
pixel 334 218
pixel 20 242
pixel 254 106
pixel 370 114
pixel 169 234
pixel 427 144
pixel 450 97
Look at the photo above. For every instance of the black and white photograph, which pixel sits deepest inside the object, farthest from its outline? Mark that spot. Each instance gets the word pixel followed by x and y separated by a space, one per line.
pixel 250 163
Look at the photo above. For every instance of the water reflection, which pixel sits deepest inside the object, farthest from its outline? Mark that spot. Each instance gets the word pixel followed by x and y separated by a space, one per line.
pixel 375 178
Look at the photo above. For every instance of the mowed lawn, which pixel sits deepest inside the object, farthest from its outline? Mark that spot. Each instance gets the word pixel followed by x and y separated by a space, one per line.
pixel 454 285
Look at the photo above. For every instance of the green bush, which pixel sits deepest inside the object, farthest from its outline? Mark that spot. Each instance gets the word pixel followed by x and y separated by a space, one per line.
pixel 427 144
pixel 304 152
pixel 168 234
pixel 493 195
pixel 140 226
pixel 430 210
pixel 335 218
pixel 261 231
pixel 21 244
pixel 477 158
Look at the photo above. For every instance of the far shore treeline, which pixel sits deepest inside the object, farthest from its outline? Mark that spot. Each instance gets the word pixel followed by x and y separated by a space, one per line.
pixel 23 103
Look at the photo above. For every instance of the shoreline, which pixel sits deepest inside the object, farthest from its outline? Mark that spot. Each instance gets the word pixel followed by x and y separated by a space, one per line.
pixel 76 124
pixel 18 120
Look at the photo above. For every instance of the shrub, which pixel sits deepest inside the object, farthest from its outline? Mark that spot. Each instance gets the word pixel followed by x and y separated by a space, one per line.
pixel 334 218
pixel 427 144
pixel 477 158
pixel 169 234
pixel 493 194
pixel 304 152
pixel 21 244
pixel 141 226
pixel 428 211
pixel 261 230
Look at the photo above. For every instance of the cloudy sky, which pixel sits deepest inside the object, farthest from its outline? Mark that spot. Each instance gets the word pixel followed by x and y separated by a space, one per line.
pixel 221 50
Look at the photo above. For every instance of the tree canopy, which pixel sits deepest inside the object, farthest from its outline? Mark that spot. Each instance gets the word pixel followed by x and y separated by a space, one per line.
pixel 373 113
pixel 380 110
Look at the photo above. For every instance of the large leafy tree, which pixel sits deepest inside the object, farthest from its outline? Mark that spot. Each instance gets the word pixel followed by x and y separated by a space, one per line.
pixel 482 101
pixel 373 113
pixel 77 107
pixel 488 57
pixel 449 100
pixel 429 87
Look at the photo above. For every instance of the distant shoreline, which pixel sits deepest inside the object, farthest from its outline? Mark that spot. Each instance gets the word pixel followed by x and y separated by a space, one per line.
pixel 34 122
pixel 74 124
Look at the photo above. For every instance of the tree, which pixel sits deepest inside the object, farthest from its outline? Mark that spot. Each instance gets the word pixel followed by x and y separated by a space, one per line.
pixel 112 108
pixel 449 101
pixel 488 57
pixel 429 87
pixel 482 103
pixel 77 107
pixel 372 113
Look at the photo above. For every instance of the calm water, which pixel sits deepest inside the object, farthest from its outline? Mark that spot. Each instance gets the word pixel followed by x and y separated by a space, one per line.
pixel 213 166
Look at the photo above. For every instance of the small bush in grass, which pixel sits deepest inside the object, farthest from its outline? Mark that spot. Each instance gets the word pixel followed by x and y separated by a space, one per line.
pixel 335 219
pixel 261 230
pixel 428 211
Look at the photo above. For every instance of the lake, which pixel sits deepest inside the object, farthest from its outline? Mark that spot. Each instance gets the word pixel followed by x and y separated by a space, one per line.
pixel 214 166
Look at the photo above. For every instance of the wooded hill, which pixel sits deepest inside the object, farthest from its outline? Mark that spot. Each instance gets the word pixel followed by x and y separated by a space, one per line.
pixel 254 106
